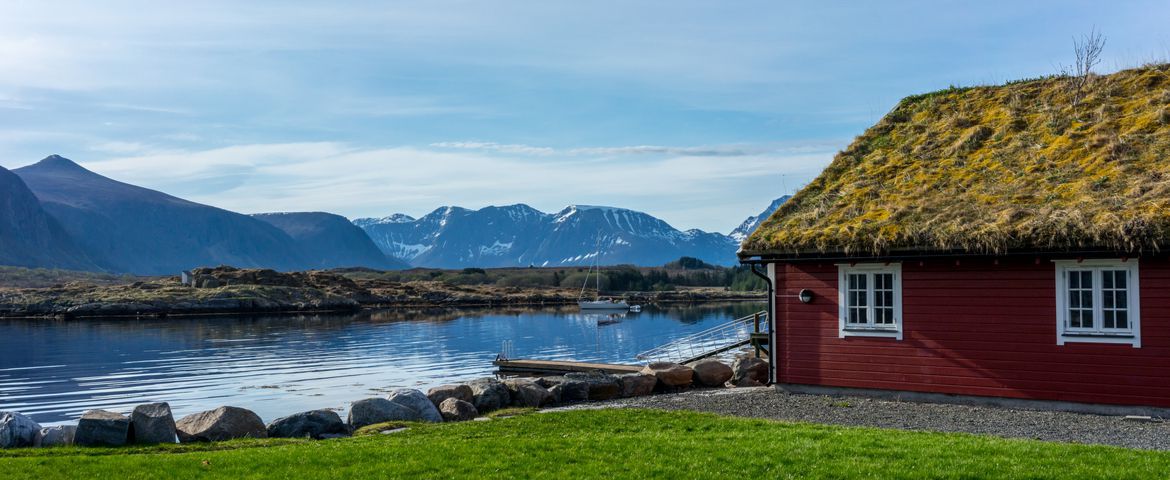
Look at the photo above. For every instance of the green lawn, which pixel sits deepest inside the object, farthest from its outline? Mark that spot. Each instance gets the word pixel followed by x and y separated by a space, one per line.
pixel 604 444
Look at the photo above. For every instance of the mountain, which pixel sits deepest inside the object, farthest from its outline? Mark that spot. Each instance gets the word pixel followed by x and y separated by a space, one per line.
pixel 330 241
pixel 133 229
pixel 752 223
pixel 29 237
pixel 519 235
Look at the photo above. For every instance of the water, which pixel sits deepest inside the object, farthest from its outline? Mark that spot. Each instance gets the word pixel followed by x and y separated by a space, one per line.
pixel 53 370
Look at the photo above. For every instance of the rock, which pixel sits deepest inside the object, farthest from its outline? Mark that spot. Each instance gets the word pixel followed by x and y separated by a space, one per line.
pixel 17 430
pixel 670 374
pixel 206 281
pixel 747 383
pixel 750 367
pixel 637 384
pixel 711 373
pixel 418 402
pixel 456 410
pixel 59 436
pixel 223 423
pixel 526 393
pixel 313 424
pixel 601 386
pixel 153 423
pixel 443 392
pixel 571 391
pixel 102 428
pixel 549 382
pixel 377 410
pixel 489 395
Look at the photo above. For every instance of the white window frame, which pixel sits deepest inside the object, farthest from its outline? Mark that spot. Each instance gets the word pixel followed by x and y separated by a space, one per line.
pixel 1066 334
pixel 844 329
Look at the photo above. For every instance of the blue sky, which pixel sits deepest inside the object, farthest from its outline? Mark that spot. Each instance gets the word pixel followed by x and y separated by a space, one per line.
pixel 697 112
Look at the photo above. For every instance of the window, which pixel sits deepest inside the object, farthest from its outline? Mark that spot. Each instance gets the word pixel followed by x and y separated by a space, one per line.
pixel 870 300
pixel 1097 301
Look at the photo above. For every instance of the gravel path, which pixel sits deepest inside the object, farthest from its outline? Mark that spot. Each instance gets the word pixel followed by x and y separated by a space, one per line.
pixel 766 402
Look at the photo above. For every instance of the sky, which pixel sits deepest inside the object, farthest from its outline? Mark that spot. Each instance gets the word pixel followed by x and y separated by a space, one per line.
pixel 699 113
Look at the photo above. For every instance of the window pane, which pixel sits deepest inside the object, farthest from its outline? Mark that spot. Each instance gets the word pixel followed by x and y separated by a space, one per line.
pixel 1107 318
pixel 1122 319
pixel 1119 299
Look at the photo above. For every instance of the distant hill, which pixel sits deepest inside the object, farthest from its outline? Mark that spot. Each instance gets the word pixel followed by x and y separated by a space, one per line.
pixel 133 229
pixel 752 223
pixel 29 237
pixel 331 241
pixel 519 235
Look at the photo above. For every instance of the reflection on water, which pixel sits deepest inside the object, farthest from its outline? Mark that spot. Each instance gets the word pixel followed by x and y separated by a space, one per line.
pixel 55 369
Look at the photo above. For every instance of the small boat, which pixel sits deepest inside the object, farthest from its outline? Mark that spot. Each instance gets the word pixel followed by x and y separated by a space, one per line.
pixel 635 308
pixel 603 304
pixel 598 303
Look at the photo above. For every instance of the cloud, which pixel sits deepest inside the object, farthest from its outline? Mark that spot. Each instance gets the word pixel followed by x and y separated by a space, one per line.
pixel 688 191
pixel 717 151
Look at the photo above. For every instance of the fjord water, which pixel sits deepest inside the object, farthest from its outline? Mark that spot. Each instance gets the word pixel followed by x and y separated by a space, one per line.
pixel 53 370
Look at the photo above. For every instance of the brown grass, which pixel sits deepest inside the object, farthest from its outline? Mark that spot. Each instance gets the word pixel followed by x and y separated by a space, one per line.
pixel 990 169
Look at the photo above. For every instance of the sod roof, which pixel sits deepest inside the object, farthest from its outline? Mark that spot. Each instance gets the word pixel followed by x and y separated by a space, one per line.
pixel 1031 165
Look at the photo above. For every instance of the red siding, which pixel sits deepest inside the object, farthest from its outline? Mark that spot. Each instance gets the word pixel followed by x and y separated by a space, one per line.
pixel 980 327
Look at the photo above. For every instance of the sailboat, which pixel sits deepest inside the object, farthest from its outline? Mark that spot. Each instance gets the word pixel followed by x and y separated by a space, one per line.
pixel 598 303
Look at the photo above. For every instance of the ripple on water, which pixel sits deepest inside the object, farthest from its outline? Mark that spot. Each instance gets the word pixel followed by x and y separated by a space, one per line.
pixel 275 366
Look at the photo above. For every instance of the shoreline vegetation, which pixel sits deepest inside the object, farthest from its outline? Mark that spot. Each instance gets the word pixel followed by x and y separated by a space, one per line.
pixel 35 293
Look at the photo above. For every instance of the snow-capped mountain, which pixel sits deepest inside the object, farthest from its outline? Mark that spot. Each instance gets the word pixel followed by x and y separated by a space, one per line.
pixel 752 223
pixel 519 235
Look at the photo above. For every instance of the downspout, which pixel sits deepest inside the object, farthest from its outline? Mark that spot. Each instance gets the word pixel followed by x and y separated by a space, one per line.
pixel 773 324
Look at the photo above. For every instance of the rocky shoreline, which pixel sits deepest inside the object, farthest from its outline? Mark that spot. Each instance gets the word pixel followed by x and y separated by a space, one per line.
pixel 153 423
pixel 227 290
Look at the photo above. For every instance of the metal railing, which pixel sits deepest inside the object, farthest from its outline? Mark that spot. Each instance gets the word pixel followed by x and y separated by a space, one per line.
pixel 709 342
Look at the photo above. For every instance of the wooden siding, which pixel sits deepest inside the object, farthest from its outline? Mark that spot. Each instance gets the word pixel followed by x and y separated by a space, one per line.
pixel 974 327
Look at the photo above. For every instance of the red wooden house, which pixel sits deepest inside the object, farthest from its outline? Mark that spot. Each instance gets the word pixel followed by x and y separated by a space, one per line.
pixel 991 243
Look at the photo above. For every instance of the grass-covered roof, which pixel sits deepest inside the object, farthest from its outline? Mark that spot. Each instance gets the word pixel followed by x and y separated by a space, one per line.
pixel 1029 165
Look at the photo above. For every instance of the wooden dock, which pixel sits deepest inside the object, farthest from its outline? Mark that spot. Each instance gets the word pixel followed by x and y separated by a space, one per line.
pixel 559 367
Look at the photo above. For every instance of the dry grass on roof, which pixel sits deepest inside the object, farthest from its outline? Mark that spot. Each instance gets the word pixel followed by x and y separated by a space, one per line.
pixel 990 169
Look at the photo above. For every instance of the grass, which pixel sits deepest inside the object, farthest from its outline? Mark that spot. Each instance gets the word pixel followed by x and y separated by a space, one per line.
pixel 1034 164
pixel 604 444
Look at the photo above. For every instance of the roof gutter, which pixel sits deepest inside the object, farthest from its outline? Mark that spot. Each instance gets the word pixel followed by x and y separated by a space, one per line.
pixel 764 258
pixel 772 320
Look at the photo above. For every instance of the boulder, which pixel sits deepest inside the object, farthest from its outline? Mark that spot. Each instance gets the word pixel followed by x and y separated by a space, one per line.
pixel 102 428
pixel 17 430
pixel 549 382
pixel 750 367
pixel 526 393
pixel 711 373
pixel 377 410
pixel 153 423
pixel 223 423
pixel 670 374
pixel 59 436
pixel 637 384
pixel 418 402
pixel 456 410
pixel 489 395
pixel 443 392
pixel 747 383
pixel 313 424
pixel 601 386
pixel 570 391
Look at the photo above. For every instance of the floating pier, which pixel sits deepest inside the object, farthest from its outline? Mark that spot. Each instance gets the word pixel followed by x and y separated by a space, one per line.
pixel 558 367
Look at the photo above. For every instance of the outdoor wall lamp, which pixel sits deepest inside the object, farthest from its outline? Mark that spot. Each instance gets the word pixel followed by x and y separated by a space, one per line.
pixel 805 296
